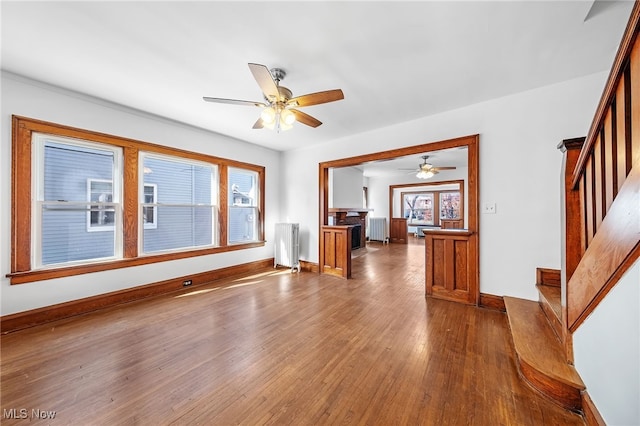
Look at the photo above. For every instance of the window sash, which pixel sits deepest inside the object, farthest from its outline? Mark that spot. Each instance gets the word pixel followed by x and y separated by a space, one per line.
pixel 164 175
pixel 244 199
pixel 44 210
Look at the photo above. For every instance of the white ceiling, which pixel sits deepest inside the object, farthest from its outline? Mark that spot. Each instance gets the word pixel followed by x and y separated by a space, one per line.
pixel 408 166
pixel 395 61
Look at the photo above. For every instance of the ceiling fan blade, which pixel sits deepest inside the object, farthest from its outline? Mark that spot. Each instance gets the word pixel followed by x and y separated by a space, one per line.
pixel 306 118
pixel 258 124
pixel 316 98
pixel 234 101
pixel 443 168
pixel 265 80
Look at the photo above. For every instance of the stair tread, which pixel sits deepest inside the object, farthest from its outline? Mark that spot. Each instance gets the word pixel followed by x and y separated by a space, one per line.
pixel 552 296
pixel 536 344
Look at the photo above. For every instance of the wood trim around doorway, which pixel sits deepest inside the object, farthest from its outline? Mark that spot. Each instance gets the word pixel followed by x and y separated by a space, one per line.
pixel 473 163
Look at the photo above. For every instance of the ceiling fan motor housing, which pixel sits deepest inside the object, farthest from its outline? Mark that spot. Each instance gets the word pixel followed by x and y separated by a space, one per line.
pixel 278 74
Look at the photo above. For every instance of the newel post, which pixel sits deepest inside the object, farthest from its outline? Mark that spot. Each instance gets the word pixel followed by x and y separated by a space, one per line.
pixel 571 213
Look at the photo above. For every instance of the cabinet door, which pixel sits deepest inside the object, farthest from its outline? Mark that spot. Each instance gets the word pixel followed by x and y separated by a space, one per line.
pixel 451 224
pixel 398 230
pixel 450 269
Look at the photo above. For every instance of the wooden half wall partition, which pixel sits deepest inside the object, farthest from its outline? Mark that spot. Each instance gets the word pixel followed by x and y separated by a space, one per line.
pixel 450 265
pixel 398 232
pixel 335 250
pixel 606 178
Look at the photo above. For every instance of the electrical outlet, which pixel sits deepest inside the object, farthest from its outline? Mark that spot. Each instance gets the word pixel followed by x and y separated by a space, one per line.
pixel 186 283
pixel 489 208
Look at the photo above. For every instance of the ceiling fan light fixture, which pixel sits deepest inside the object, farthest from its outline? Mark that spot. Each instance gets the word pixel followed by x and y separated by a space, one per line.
pixel 268 115
pixel 287 117
pixel 284 126
pixel 422 174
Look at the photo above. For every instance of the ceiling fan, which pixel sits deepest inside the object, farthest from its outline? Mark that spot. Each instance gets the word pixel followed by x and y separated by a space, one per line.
pixel 279 105
pixel 427 170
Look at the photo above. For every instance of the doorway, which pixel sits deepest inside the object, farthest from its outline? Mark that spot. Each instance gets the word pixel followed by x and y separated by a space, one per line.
pixel 472 225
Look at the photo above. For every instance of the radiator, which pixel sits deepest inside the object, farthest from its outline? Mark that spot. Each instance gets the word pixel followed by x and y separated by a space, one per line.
pixel 287 246
pixel 378 229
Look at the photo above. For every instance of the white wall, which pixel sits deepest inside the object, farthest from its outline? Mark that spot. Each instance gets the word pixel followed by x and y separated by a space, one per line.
pixel 607 352
pixel 519 171
pixel 35 100
pixel 345 187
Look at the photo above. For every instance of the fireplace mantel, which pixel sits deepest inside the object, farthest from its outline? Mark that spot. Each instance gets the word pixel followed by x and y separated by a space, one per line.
pixel 351 216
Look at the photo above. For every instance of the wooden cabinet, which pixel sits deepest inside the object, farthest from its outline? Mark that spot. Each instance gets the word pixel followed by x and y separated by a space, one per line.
pixel 335 250
pixel 398 230
pixel 451 271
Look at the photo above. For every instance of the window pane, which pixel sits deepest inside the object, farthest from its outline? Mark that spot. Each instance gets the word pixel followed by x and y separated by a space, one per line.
pixel 418 208
pixel 101 216
pixel 243 202
pixel 67 168
pixel 180 227
pixel 76 206
pixel 450 205
pixel 178 200
pixel 242 224
pixel 180 182
pixel 65 237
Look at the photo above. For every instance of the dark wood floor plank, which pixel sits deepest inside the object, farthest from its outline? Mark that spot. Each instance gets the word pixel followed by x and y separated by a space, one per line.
pixel 280 348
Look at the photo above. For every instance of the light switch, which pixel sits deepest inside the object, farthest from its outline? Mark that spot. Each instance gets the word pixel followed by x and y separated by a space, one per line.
pixel 489 208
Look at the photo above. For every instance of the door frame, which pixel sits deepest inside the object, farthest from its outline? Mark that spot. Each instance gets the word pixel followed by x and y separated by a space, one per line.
pixel 473 168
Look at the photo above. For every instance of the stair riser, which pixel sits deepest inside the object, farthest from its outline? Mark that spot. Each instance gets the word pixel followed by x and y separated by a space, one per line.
pixel 553 319
pixel 564 395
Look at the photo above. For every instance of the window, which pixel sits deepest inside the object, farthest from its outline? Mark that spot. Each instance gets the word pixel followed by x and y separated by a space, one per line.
pixel 243 206
pixel 436 204
pixel 418 208
pixel 78 205
pixel 149 199
pixel 75 197
pixel 101 216
pixel 450 205
pixel 184 214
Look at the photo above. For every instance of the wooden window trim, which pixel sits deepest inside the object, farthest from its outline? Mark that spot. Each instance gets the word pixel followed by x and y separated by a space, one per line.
pixel 21 173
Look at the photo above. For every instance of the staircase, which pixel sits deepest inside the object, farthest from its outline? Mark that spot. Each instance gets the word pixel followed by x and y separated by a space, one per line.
pixel 536 328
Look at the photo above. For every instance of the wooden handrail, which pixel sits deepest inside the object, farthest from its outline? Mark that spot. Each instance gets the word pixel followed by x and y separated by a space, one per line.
pixel 615 75
pixel 606 180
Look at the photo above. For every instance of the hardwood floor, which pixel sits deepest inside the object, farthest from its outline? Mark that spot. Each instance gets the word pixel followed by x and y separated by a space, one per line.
pixel 279 348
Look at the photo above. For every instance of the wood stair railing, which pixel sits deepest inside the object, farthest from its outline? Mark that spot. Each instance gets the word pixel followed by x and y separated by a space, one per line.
pixel 536 329
pixel 605 181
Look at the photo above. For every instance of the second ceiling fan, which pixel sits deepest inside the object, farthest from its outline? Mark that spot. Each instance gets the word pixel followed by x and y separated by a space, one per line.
pixel 280 107
pixel 427 170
